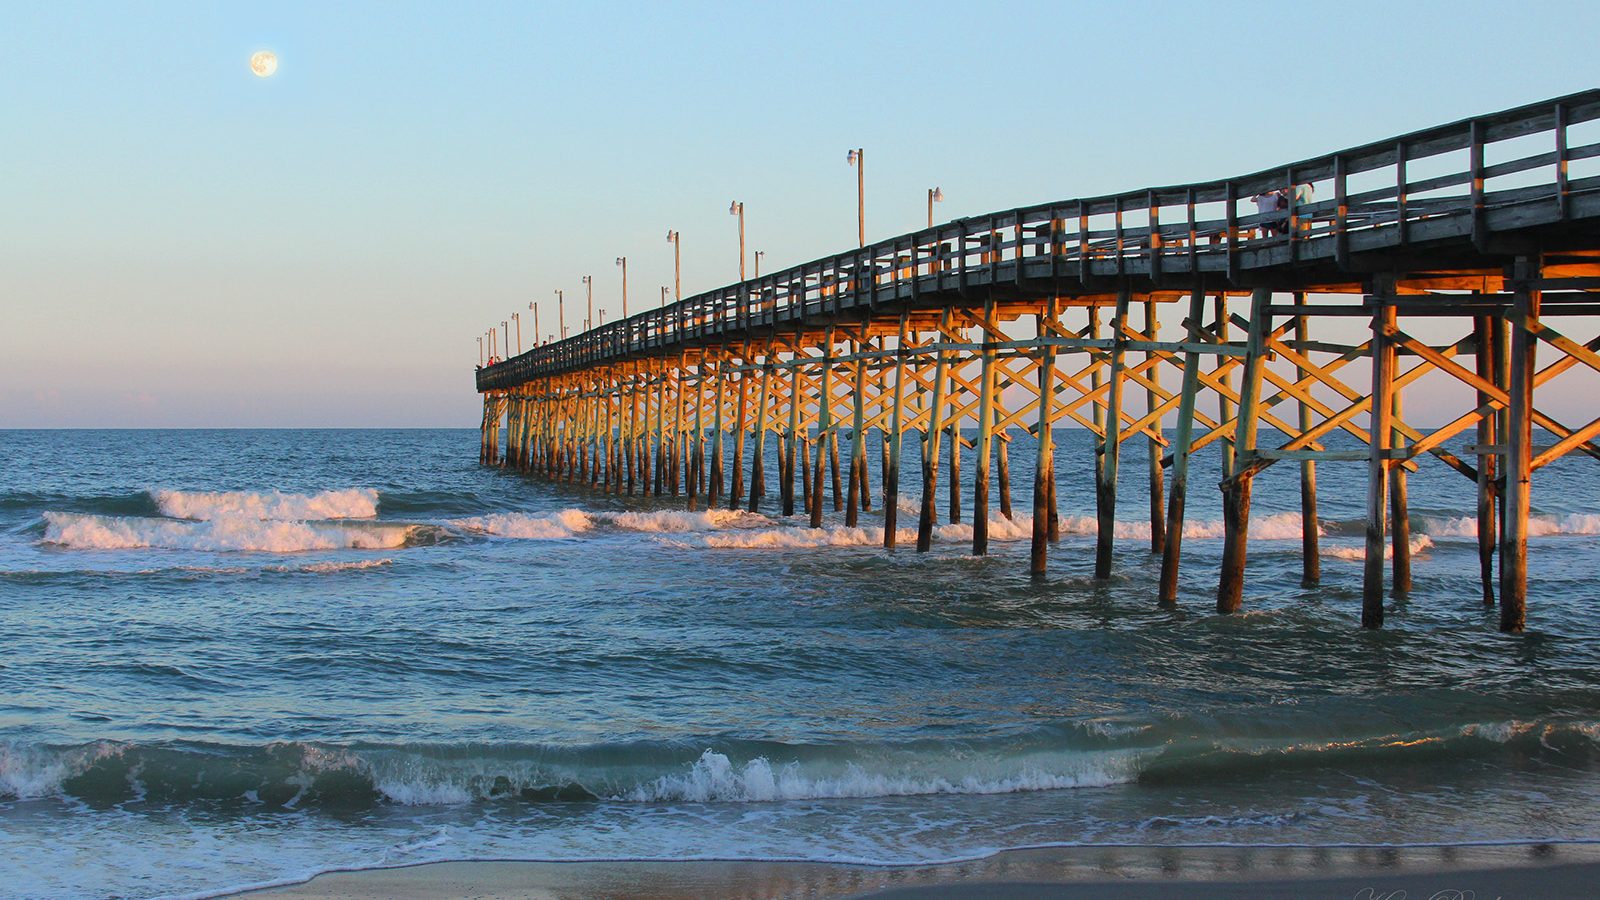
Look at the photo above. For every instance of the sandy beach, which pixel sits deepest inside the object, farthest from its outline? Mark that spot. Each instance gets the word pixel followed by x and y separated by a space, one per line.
pixel 1519 872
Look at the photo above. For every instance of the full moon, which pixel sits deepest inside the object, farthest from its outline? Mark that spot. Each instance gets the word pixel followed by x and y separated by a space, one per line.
pixel 264 63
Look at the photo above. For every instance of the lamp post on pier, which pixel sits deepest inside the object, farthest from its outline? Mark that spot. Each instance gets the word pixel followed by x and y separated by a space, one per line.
pixel 517 318
pixel 858 158
pixel 505 329
pixel 677 264
pixel 935 195
pixel 561 313
pixel 623 262
pixel 736 208
pixel 759 254
pixel 588 283
pixel 535 307
pixel 480 351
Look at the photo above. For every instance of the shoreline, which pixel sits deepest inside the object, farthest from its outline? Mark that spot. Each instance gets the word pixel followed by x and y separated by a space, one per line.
pixel 1521 870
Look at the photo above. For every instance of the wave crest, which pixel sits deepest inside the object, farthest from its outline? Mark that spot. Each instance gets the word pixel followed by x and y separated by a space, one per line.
pixel 86 532
pixel 351 503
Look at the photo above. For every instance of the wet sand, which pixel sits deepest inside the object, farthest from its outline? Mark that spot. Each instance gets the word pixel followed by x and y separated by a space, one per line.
pixel 1516 872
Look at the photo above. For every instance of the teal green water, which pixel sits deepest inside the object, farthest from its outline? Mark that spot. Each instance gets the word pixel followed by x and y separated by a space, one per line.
pixel 244 657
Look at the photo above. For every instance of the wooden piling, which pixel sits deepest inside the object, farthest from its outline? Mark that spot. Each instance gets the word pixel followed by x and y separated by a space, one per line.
pixel 758 457
pixel 1399 509
pixel 930 440
pixel 1383 374
pixel 984 447
pixel 1044 465
pixel 891 465
pixel 1310 528
pixel 1172 547
pixel 714 489
pixel 1519 448
pixel 1485 331
pixel 858 438
pixel 824 428
pixel 1105 494
pixel 736 488
pixel 1155 474
pixel 1236 489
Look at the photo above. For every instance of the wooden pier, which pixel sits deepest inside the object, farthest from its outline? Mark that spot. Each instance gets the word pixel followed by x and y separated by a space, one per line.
pixel 1049 316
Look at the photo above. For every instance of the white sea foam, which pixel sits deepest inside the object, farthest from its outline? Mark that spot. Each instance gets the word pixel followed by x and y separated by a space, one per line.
pixel 1418 543
pixel 715 777
pixel 1538 526
pixel 568 523
pixel 31 772
pixel 87 532
pixel 1280 526
pixel 352 503
pixel 673 521
pixel 553 527
pixel 326 568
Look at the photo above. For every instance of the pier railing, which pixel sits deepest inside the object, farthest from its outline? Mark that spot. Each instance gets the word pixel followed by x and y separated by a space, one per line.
pixel 1363 199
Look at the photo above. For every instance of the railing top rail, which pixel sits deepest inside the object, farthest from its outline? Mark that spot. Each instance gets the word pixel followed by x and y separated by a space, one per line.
pixel 971 234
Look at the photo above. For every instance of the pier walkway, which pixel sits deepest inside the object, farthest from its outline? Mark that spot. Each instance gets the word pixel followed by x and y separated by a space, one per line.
pixel 1049 316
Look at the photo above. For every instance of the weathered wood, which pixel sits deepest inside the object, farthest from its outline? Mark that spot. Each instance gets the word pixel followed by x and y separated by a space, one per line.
pixel 891 467
pixel 930 443
pixel 984 447
pixel 758 456
pixel 1236 489
pixel 714 488
pixel 1110 445
pixel 1383 377
pixel 1155 474
pixel 1519 455
pixel 858 443
pixel 1486 333
pixel 1310 528
pixel 1399 511
pixel 824 428
pixel 736 487
pixel 1044 464
pixel 1172 547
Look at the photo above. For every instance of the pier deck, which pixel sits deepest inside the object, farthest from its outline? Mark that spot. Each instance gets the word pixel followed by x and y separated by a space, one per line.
pixel 1048 316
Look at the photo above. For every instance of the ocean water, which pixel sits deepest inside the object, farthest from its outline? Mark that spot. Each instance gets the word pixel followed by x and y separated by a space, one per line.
pixel 236 658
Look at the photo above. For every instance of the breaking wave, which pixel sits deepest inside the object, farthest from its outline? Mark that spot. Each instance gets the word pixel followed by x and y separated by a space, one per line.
pixel 89 532
pixel 569 523
pixel 352 503
pixel 1418 543
pixel 1281 526
pixel 303 775
pixel 1538 526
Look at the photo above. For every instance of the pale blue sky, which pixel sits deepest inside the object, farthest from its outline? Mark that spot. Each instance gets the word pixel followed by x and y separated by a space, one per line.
pixel 182 243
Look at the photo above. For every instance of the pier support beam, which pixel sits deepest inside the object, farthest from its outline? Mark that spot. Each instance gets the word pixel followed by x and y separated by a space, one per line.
pixel 1486 333
pixel 1399 509
pixel 856 495
pixel 1044 470
pixel 1105 494
pixel 758 457
pixel 1156 474
pixel 930 440
pixel 892 440
pixel 1519 448
pixel 1383 376
pixel 1236 489
pixel 1172 549
pixel 1310 529
pixel 984 448
pixel 824 427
